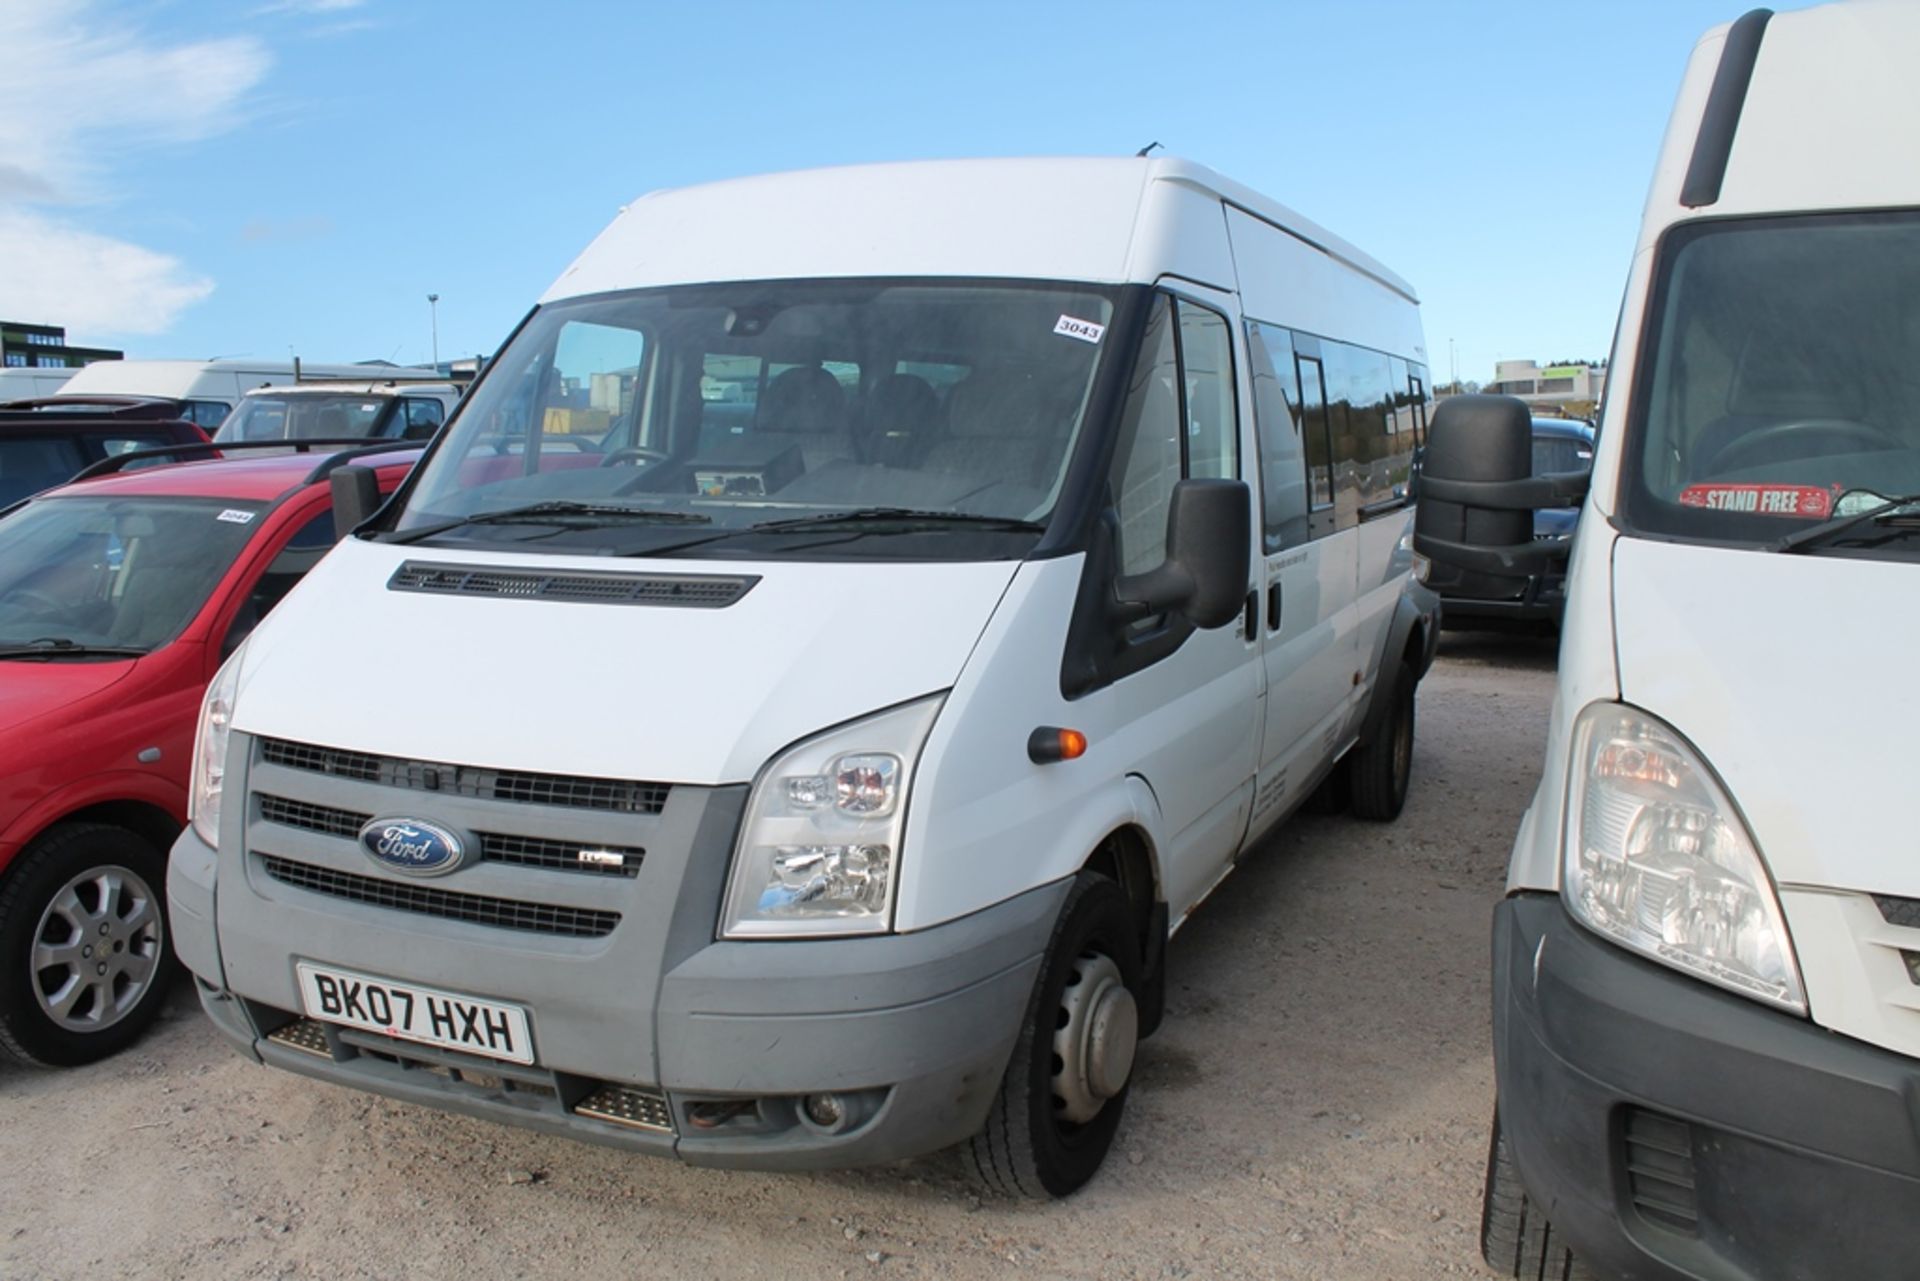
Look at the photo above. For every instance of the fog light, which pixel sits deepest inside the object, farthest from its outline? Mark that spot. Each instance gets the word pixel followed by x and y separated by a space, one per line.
pixel 825 1110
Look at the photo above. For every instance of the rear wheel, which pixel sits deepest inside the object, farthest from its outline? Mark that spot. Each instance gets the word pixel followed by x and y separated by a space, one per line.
pixel 1382 767
pixel 84 956
pixel 1515 1238
pixel 1066 1085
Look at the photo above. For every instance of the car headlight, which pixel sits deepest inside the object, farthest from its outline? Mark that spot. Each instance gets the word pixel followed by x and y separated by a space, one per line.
pixel 1658 859
pixel 210 750
pixel 819 852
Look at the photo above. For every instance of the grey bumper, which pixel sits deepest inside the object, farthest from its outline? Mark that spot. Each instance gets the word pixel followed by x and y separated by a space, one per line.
pixel 912 1031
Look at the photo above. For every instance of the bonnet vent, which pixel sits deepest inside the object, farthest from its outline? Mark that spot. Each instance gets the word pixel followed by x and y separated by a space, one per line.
pixel 688 591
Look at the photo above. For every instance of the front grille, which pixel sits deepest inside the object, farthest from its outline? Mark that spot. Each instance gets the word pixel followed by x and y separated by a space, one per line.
pixel 495 847
pixel 1904 912
pixel 1660 1172
pixel 535 918
pixel 569 791
pixel 688 591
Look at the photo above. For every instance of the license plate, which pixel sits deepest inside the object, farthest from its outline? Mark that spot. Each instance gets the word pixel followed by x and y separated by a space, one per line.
pixel 413 1013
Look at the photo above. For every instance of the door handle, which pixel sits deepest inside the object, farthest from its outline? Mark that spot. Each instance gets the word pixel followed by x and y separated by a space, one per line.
pixel 1273 606
pixel 1250 620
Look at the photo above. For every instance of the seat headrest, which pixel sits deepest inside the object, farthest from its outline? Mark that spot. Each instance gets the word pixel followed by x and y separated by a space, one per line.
pixel 804 399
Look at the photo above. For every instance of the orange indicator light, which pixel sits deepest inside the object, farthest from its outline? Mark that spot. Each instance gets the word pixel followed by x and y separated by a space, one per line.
pixel 1050 743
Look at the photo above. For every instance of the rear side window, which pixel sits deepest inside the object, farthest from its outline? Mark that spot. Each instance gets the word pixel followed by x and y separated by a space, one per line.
pixel 29 465
pixel 423 417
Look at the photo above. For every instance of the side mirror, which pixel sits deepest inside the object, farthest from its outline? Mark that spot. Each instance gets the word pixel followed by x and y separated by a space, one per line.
pixel 1478 493
pixel 1204 577
pixel 356 496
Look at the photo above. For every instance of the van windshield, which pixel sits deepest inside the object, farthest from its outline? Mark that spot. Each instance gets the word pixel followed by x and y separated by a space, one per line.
pixel 303 417
pixel 1780 381
pixel 732 416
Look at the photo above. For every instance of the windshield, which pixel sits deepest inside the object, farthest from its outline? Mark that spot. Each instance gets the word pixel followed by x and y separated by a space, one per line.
pixel 743 406
pixel 303 417
pixel 1779 378
pixel 114 571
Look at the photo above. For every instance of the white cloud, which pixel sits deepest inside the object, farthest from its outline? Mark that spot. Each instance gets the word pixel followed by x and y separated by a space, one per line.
pixel 91 284
pixel 79 88
pixel 308 6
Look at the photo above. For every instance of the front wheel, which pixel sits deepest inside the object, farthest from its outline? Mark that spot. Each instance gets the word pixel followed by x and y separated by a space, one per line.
pixel 1515 1238
pixel 1066 1085
pixel 84 957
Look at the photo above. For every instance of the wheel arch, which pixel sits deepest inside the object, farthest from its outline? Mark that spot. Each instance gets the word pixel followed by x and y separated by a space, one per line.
pixel 147 819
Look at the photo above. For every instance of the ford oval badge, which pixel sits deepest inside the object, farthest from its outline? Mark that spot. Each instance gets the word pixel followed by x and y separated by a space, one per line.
pixel 412 845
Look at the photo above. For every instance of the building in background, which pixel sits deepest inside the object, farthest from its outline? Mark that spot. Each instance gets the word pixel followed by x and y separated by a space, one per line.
pixel 1574 389
pixel 25 346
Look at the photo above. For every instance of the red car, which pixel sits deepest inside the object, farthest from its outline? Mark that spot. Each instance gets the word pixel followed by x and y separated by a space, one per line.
pixel 120 594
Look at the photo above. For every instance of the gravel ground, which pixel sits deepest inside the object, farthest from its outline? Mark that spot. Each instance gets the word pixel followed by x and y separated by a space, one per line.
pixel 1315 1105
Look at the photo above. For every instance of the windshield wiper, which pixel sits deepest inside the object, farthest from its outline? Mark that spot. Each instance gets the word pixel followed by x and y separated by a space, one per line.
pixel 1885 512
pixel 907 516
pixel 62 647
pixel 541 513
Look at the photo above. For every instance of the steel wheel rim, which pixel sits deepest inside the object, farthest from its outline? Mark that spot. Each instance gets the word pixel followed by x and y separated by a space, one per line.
pixel 1082 1086
pixel 96 949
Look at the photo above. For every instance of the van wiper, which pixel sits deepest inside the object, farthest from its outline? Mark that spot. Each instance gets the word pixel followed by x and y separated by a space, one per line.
pixel 902 516
pixel 556 512
pixel 1886 512
pixel 62 647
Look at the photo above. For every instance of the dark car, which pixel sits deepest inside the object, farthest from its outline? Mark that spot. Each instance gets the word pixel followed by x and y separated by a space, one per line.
pixel 1474 600
pixel 42 446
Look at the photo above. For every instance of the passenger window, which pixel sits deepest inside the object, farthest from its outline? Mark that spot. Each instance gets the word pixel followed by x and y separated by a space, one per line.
pixel 594 381
pixel 207 414
pixel 1206 355
pixel 1318 438
pixel 301 553
pixel 1148 460
pixel 112 446
pixel 1367 470
pixel 1283 471
pixel 423 418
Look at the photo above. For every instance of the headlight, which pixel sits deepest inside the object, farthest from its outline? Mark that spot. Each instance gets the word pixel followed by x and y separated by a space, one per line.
pixel 1658 859
pixel 819 852
pixel 210 750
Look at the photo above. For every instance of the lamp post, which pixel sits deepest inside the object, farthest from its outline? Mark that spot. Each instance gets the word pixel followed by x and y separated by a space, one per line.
pixel 433 313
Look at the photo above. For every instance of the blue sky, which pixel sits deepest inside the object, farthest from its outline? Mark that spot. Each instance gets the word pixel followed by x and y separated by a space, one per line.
pixel 202 178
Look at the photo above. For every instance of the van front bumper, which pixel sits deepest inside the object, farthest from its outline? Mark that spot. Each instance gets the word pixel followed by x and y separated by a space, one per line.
pixel 910 1033
pixel 1668 1129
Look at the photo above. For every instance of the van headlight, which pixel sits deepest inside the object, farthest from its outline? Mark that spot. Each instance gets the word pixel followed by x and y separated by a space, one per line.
pixel 819 852
pixel 1658 859
pixel 210 750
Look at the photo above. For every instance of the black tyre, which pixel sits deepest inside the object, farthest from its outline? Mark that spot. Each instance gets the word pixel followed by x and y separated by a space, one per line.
pixel 84 956
pixel 1380 768
pixel 1515 1238
pixel 1066 1084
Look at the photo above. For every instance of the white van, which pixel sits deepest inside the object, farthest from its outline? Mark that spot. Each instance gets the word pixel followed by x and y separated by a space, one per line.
pixel 812 775
pixel 208 389
pixel 32 382
pixel 1707 967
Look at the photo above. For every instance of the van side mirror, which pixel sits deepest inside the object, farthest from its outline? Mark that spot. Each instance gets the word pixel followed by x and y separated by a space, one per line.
pixel 356 496
pixel 1204 577
pixel 1478 491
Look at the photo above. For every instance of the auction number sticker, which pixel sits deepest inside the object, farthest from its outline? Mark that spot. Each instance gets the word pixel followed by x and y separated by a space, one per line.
pixel 1084 330
pixel 412 1013
pixel 234 516
pixel 1804 501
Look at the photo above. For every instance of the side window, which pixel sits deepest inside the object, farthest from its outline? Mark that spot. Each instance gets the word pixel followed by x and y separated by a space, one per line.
pixel 594 383
pixel 1213 429
pixel 1147 462
pixel 112 446
pixel 301 553
pixel 1283 468
pixel 1367 462
pixel 207 414
pixel 423 418
pixel 1315 430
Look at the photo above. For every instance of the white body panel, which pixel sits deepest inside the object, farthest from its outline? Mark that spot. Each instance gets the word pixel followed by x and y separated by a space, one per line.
pixel 30 383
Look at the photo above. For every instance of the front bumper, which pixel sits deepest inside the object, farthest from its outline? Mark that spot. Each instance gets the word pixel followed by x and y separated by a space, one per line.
pixel 912 1032
pixel 1670 1130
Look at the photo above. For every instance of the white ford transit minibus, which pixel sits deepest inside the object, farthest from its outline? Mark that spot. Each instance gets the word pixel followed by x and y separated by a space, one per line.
pixel 871 609
pixel 1707 968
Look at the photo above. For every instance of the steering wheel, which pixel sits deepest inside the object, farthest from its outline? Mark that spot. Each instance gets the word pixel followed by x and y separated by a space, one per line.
pixel 1812 433
pixel 633 453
